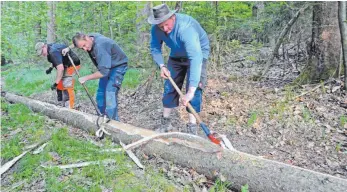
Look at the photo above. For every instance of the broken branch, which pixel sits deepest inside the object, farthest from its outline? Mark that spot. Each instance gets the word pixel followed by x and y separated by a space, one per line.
pixel 132 156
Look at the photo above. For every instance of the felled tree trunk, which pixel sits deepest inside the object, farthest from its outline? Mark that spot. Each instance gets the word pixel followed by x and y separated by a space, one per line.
pixel 200 154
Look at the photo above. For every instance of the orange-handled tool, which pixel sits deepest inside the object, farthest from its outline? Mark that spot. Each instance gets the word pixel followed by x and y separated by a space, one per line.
pixel 198 119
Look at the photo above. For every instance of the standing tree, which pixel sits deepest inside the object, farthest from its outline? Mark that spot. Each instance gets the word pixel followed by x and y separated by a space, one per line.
pixel 343 33
pixel 51 35
pixel 178 5
pixel 325 41
pixel 142 30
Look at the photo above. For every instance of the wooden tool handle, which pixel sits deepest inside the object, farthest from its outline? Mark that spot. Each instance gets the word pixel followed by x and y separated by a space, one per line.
pixel 191 109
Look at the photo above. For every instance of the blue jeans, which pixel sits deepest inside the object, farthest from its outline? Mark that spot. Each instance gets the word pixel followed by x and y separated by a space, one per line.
pixel 178 71
pixel 107 93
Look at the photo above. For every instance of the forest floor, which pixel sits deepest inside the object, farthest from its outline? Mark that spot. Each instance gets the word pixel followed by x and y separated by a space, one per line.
pixel 263 118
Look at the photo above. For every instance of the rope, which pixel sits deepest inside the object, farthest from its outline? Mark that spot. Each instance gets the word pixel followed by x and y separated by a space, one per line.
pixel 100 132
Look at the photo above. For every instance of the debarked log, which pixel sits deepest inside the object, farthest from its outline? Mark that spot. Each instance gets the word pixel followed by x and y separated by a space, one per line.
pixel 200 154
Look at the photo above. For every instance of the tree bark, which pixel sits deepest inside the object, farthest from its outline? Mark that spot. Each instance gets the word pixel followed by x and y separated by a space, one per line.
pixel 199 154
pixel 178 6
pixel 342 14
pixel 217 14
pixel 38 31
pixel 51 35
pixel 280 39
pixel 110 23
pixel 142 34
pixel 325 45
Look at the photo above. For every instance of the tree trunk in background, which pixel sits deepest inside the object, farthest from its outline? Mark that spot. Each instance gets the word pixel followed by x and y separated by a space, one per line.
pixel 38 31
pixel 343 32
pixel 261 37
pixel 324 49
pixel 101 18
pixel 178 6
pixel 142 33
pixel 110 23
pixel 217 14
pixel 51 37
pixel 258 9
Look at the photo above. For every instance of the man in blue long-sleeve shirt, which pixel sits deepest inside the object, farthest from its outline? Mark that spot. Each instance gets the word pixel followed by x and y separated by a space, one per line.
pixel 190 48
pixel 112 64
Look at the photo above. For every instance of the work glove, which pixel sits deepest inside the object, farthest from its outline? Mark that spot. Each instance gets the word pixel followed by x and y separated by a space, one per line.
pixel 49 70
pixel 54 86
pixel 65 51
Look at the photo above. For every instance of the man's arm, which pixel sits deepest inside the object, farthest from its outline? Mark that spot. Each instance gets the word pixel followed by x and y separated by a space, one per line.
pixel 67 49
pixel 60 73
pixel 191 42
pixel 156 44
pixel 57 62
pixel 157 55
pixel 103 59
pixel 96 75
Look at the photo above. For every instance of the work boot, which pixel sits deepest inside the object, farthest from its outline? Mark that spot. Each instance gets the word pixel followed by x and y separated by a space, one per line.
pixel 192 128
pixel 165 125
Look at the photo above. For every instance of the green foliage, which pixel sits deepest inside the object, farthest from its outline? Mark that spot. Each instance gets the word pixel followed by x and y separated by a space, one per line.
pixel 343 120
pixel 251 58
pixel 253 117
pixel 244 188
pixel 338 147
pixel 256 44
pixel 25 23
pixel 17 120
pixel 323 87
pixel 231 121
pixel 117 177
pixel 278 109
pixel 31 79
pixel 11 148
pixel 132 78
pixel 220 186
pixel 306 114
pixel 26 79
pixel 235 44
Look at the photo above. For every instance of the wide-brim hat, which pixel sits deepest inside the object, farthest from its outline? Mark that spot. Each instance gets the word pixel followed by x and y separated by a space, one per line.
pixel 160 13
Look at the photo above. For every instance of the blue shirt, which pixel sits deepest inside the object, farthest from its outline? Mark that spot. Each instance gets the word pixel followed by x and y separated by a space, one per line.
pixel 186 40
pixel 106 54
pixel 55 56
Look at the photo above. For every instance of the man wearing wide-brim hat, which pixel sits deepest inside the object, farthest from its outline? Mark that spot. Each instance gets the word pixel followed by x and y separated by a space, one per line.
pixel 190 49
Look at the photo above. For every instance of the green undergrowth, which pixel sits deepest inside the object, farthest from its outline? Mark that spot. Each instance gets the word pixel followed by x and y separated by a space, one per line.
pixel 18 124
pixel 26 79
pixel 20 128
